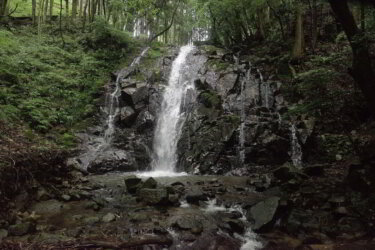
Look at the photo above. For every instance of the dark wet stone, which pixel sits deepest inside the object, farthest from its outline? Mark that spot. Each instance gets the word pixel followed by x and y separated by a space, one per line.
pixel 112 160
pixel 188 222
pixel 214 241
pixel 91 220
pixel 3 234
pixel 194 195
pixel 48 238
pixel 315 170
pixel 158 196
pixel 150 183
pixel 109 217
pixel 132 183
pixel 21 229
pixel 236 226
pixel 263 213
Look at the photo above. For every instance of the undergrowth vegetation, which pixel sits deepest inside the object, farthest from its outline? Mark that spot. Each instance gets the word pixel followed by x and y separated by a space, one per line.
pixel 53 89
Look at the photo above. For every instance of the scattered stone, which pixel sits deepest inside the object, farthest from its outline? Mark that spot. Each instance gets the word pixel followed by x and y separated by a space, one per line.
pixel 157 196
pixel 315 170
pixel 42 195
pixel 174 199
pixel 66 197
pixel 337 199
pixel 77 217
pixel 3 234
pixel 136 217
pixel 286 172
pixel 177 183
pixel 341 211
pixel 188 223
pixel 150 183
pixel 92 205
pixel 91 220
pixel 263 213
pixel 236 226
pixel 132 183
pixel 195 195
pixel 22 229
pixel 109 217
pixel 338 157
pixel 84 194
pixel 48 238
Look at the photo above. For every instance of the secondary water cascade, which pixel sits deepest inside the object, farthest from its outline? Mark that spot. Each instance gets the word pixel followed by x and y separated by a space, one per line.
pixel 296 154
pixel 171 117
pixel 111 109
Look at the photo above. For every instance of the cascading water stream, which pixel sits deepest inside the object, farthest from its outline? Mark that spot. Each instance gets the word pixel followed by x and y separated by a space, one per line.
pixel 243 117
pixel 296 154
pixel 112 110
pixel 171 117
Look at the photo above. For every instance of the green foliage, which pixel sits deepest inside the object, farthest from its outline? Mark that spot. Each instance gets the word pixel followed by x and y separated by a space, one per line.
pixel 107 41
pixel 51 88
pixel 210 99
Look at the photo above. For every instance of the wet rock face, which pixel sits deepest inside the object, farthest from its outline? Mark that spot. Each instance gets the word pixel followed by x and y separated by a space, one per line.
pixel 233 104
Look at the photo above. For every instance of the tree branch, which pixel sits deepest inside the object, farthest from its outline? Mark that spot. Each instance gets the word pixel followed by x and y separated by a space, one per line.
pixel 169 26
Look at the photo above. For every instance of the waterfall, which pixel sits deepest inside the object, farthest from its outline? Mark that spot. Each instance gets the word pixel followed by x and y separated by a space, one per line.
pixel 112 104
pixel 296 154
pixel 112 110
pixel 243 117
pixel 171 117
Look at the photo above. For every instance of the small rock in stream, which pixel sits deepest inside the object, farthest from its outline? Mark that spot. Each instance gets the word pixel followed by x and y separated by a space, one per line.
pixel 22 229
pixel 109 217
pixel 263 213
pixel 195 195
pixel 3 234
pixel 150 183
pixel 132 183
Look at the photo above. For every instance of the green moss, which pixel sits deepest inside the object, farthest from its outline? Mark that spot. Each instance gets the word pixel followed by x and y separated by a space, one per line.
pixel 51 88
pixel 232 119
pixel 210 99
pixel 218 64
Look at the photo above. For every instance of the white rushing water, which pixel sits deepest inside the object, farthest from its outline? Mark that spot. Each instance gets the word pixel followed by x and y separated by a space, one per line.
pixel 296 155
pixel 249 238
pixel 171 119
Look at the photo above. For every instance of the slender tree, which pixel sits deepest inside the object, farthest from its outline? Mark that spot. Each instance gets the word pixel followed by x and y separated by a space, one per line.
pixel 361 70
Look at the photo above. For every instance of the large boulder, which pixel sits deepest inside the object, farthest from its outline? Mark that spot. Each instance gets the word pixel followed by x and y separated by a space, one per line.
pixel 127 116
pixel 132 183
pixel 194 195
pixel 263 214
pixel 153 196
pixel 112 160
pixel 21 229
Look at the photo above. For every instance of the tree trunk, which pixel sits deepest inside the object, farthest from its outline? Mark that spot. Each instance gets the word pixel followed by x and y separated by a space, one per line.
pixel 74 9
pixel 67 8
pixel 85 15
pixel 51 2
pixel 80 8
pixel 362 71
pixel 3 7
pixel 314 25
pixel 33 10
pixel 46 9
pixel 363 17
pixel 298 48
